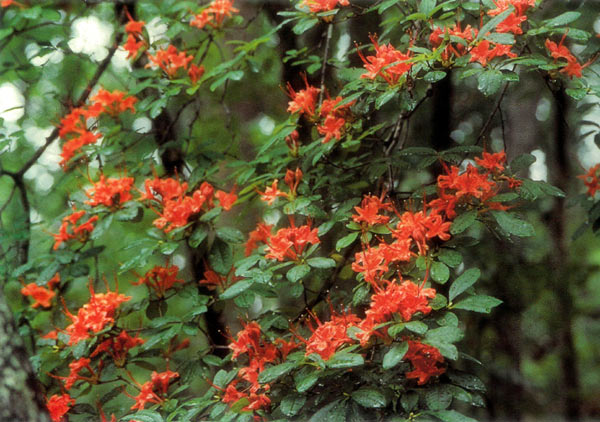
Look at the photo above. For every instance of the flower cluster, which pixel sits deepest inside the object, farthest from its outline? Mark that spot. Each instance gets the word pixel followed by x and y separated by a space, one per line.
pixel 303 101
pixel 94 315
pixel 178 208
pixel 327 337
pixel 110 192
pixel 69 229
pixel 513 21
pixel 135 39
pixel 334 115
pixel 73 127
pixel 292 179
pixel 155 390
pixel 559 51
pixel 214 14
pixel 118 347
pixel 485 51
pixel 389 63
pixel 160 279
pixel 58 406
pixel 591 180
pixel 290 242
pixel 212 279
pixel 171 60
pixel 425 360
pixel 453 48
pixel 259 352
pixel 41 295
pixel 316 6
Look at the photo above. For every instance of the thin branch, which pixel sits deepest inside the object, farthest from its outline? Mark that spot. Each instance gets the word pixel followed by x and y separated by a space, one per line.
pixel 325 55
pixel 493 113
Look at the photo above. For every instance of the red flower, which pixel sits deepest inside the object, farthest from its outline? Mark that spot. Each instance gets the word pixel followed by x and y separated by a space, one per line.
pixel 329 336
pixel 195 73
pixel 512 23
pixel 437 37
pixel 69 224
pixel 520 6
pixel 290 242
pixel 110 192
pixel 369 209
pixel 292 179
pixel 111 103
pixel 94 315
pixel 170 60
pixel 303 101
pixel 271 193
pixel 160 279
pixel 483 52
pixel 152 391
pixel 58 406
pixel 76 366
pixel 260 234
pixel 214 14
pixel 41 295
pixel 317 6
pixel 590 180
pixel 371 263
pixel 133 46
pixel 226 200
pixel 387 62
pixel 492 162
pixel 424 359
pixel 118 347
pixel 332 128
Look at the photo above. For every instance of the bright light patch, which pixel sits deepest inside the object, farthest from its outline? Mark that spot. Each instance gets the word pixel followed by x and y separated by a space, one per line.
pixel 91 36
pixel 142 125
pixel 542 111
pixel 342 46
pixel 12 102
pixel 156 30
pixel 41 176
pixel 539 169
pixel 266 125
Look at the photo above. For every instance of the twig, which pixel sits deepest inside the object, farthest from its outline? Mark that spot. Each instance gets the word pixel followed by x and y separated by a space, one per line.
pixel 324 65
pixel 493 113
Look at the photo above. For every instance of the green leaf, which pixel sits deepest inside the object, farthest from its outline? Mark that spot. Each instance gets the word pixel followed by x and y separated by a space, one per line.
pixel 434 76
pixel 272 373
pixel 513 225
pixel 563 19
pixel 236 289
pixel 369 398
pixel 463 282
pixel 522 162
pixel 438 397
pixel 451 416
pixel 440 272
pixel 230 234
pixel 384 98
pixel 450 257
pixel 5 32
pixel 220 257
pixel 493 23
pixel 346 241
pixel 345 360
pixel 198 236
pixel 304 25
pixel 490 81
pixel 463 222
pixel 167 248
pixel 304 381
pixel 144 416
pixel 409 401
pixel 321 262
pixel 131 212
pixel 211 215
pixel 297 272
pixel 416 327
pixel 394 356
pixel 444 335
pixel 478 303
pixel 292 404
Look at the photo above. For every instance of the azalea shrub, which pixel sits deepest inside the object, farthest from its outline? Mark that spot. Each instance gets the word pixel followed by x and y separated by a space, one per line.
pixel 321 271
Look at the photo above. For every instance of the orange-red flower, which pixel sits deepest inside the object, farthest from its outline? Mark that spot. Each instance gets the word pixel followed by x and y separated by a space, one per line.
pixel 559 51
pixel 153 391
pixel 425 360
pixel 111 103
pixel 58 406
pixel 70 230
pixel 303 101
pixel 94 315
pixel 260 234
pixel 369 209
pixel 290 242
pixel 110 192
pixel 316 6
pixel 118 347
pixel 591 181
pixel 214 14
pixel 456 48
pixel 271 193
pixel 41 295
pixel 170 60
pixel 226 200
pixel 387 62
pixel 160 279
pixel 195 72
pixel 292 179
pixel 327 337
pixel 492 162
pixel 484 52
